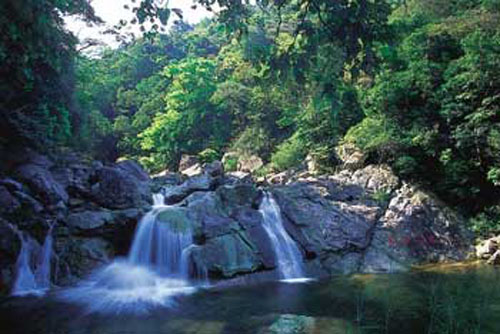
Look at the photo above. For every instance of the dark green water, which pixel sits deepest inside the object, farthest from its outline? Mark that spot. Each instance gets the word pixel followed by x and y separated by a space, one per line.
pixel 464 300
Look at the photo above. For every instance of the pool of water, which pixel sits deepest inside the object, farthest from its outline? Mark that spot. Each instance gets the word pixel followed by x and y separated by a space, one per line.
pixel 456 299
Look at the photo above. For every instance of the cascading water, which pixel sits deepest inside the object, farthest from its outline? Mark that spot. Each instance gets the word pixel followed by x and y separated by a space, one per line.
pixel 288 256
pixel 33 266
pixel 157 268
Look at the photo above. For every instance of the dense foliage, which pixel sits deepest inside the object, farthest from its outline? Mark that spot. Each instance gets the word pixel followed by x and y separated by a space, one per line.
pixel 412 83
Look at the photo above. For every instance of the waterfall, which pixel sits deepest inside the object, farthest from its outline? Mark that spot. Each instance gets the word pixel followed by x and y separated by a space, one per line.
pixel 288 256
pixel 33 265
pixel 158 268
pixel 160 246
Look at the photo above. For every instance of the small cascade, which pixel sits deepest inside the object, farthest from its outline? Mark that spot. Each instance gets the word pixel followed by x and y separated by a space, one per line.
pixel 33 265
pixel 159 246
pixel 286 251
pixel 157 268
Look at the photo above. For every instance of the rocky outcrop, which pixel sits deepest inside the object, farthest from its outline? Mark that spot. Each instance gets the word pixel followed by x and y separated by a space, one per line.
pixel 93 208
pixel 363 220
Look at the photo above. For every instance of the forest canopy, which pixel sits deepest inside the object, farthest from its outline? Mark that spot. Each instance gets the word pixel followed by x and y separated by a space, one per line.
pixel 413 84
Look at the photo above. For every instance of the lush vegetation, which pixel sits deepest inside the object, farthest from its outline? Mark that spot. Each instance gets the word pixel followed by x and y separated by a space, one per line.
pixel 412 83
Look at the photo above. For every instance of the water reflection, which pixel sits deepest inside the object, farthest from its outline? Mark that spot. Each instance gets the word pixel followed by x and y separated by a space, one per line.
pixel 458 301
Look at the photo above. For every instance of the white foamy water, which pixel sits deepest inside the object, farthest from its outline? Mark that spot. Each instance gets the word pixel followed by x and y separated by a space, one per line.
pixel 288 256
pixel 157 269
pixel 33 266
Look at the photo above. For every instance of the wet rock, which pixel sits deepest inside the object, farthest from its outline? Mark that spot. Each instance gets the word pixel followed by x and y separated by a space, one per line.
pixel 227 255
pixel 80 255
pixel 321 226
pixel 10 244
pixel 291 324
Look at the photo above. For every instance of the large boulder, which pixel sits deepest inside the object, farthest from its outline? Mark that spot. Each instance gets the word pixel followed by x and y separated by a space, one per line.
pixel 42 183
pixel 321 226
pixel 211 176
pixel 115 188
pixel 89 220
pixel 416 228
pixel 132 168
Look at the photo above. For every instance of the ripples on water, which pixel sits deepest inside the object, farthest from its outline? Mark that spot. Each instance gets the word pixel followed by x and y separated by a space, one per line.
pixel 464 300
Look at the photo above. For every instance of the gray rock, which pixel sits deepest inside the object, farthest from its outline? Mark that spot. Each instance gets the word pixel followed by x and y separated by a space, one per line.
pixel 89 220
pixel 132 168
pixel 417 228
pixel 10 244
pixel 115 189
pixel 11 185
pixel 202 182
pixel 188 161
pixel 42 183
pixel 250 163
pixel 8 203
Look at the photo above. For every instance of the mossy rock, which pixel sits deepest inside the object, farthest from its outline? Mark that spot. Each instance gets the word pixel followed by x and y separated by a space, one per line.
pixel 177 218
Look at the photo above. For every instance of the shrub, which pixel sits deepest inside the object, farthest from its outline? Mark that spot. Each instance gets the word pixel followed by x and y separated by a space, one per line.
pixel 208 155
pixel 231 164
pixel 486 223
pixel 289 154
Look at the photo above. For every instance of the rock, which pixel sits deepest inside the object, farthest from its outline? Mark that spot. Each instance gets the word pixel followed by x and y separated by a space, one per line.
pixel 312 164
pixel 202 182
pixel 166 179
pixel 89 220
pixel 237 177
pixel 42 183
pixel 232 196
pixel 251 221
pixel 352 157
pixel 214 169
pixel 192 171
pixel 177 218
pixel 8 203
pixel 227 255
pixel 280 178
pixel 487 248
pixel 29 204
pixel 11 185
pixel 115 189
pixel 417 228
pixel 132 168
pixel 495 258
pixel 321 226
pixel 10 244
pixel 291 324
pixel 250 163
pixel 188 161
pixel 78 256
